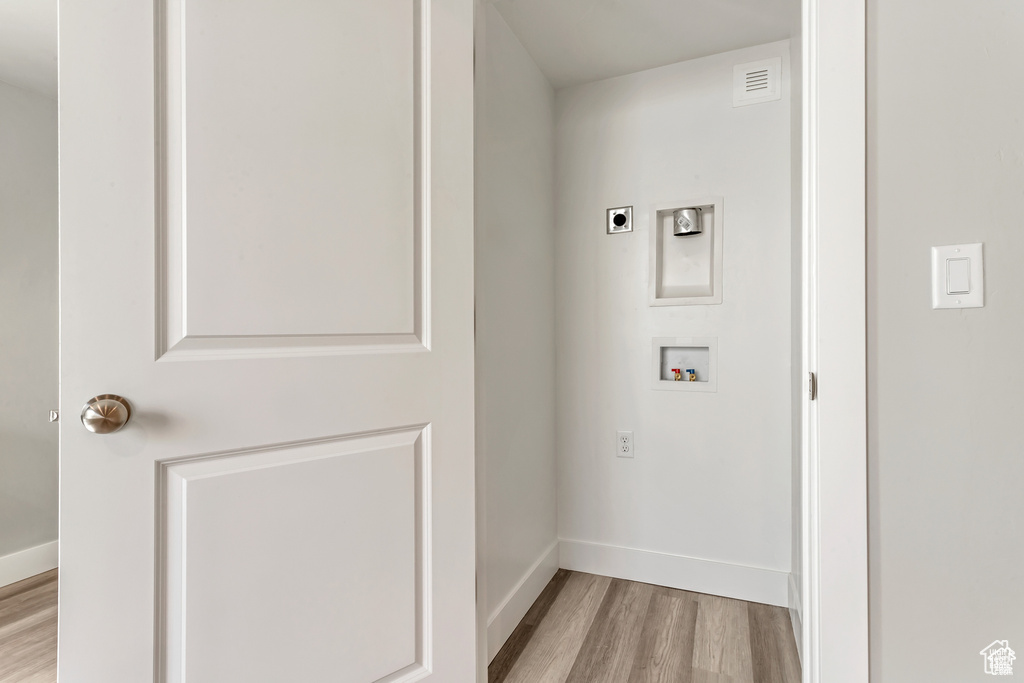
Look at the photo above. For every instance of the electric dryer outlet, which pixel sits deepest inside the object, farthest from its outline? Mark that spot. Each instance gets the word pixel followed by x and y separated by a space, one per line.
pixel 624 445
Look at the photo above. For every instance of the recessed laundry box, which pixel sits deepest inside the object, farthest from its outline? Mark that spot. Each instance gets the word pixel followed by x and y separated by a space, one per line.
pixel 685 363
pixel 686 252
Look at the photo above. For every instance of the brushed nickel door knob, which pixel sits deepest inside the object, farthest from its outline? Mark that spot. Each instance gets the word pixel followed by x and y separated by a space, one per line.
pixel 106 414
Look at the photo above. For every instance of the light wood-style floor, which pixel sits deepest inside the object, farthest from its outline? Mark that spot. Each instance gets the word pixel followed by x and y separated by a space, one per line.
pixel 592 629
pixel 28 630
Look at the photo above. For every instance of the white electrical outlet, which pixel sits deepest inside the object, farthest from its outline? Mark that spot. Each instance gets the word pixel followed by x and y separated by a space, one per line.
pixel 624 445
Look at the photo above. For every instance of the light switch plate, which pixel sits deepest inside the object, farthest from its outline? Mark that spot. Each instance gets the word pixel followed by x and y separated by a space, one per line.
pixel 958 276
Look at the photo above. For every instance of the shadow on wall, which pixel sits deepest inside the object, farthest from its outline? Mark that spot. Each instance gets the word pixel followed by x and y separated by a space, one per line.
pixel 29 518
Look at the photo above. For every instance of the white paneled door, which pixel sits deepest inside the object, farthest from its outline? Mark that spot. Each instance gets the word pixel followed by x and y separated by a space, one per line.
pixel 266 248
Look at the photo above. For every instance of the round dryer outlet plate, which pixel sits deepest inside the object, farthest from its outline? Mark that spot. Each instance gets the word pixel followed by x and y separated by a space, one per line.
pixel 620 220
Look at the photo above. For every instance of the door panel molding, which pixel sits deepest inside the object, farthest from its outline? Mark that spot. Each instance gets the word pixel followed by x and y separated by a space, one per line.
pixel 179 519
pixel 174 339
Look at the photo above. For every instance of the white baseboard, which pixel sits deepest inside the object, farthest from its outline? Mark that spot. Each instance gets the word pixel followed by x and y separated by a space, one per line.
pixel 26 563
pixel 517 603
pixel 753 584
pixel 796 616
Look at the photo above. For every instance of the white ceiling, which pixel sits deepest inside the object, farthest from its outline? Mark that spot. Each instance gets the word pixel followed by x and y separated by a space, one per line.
pixel 28 45
pixel 576 41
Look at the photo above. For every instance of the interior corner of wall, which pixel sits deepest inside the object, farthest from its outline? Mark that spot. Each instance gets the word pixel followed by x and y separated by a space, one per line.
pixel 503 621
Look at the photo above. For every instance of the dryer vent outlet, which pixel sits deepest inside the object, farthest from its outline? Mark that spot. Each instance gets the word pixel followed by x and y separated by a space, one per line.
pixel 686 222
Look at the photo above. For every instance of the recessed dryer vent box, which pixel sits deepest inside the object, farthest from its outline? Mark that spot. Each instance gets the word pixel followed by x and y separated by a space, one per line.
pixel 686 270
pixel 699 354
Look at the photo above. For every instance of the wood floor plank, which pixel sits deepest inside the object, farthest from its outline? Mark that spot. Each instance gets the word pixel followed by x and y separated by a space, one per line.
pixel 26 604
pixel 507 656
pixel 722 639
pixel 600 630
pixel 665 651
pixel 27 584
pixel 30 654
pixel 772 645
pixel 789 655
pixel 28 630
pixel 549 656
pixel 608 652
pixel 702 676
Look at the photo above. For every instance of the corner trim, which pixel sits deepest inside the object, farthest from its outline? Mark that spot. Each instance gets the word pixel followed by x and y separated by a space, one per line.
pixel 754 584
pixel 29 562
pixel 795 616
pixel 506 616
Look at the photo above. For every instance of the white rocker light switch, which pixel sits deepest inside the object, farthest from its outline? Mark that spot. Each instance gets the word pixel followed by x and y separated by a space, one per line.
pixel 958 276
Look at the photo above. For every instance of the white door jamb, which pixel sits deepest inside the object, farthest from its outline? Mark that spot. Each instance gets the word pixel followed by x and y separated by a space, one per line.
pixel 834 496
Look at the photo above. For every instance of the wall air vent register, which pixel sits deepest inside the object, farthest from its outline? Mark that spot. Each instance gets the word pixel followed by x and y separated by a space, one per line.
pixel 756 82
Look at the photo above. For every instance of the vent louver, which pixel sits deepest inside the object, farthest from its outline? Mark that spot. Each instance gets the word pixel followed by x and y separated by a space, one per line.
pixel 756 82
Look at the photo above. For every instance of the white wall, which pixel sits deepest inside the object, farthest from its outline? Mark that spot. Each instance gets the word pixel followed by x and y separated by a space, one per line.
pixel 709 489
pixel 515 361
pixel 799 379
pixel 946 463
pixel 28 330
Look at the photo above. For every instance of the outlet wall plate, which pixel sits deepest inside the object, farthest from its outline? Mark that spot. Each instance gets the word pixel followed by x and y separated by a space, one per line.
pixel 620 220
pixel 624 444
